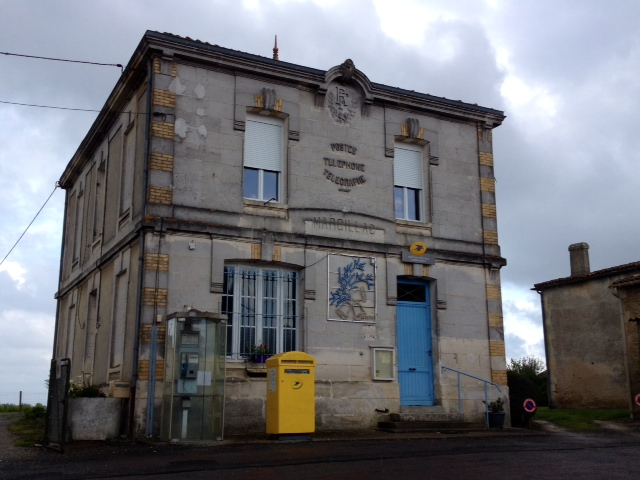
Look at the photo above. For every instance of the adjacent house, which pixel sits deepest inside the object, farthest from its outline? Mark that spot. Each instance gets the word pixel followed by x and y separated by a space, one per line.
pixel 305 210
pixel 590 322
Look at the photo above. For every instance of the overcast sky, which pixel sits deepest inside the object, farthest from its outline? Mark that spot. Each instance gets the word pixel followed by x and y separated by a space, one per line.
pixel 565 72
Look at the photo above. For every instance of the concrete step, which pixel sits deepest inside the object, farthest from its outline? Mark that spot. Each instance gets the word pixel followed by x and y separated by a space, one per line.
pixel 445 426
pixel 422 417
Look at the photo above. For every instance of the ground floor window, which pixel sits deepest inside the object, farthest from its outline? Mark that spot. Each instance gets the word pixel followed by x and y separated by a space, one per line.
pixel 262 304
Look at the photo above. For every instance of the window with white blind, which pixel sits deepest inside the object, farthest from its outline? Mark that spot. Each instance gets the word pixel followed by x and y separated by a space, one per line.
pixel 263 158
pixel 408 180
pixel 262 304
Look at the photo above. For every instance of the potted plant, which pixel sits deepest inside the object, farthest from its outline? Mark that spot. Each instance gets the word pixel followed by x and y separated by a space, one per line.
pixel 79 390
pixel 260 353
pixel 496 413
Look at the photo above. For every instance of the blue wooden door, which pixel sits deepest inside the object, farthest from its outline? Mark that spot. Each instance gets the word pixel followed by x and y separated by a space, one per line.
pixel 415 365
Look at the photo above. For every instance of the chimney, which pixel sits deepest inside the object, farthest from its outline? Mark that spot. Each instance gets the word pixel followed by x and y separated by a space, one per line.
pixel 579 257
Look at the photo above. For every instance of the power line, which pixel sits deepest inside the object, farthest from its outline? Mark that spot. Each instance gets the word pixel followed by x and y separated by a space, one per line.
pixel 49 106
pixel 34 219
pixel 65 60
pixel 155 114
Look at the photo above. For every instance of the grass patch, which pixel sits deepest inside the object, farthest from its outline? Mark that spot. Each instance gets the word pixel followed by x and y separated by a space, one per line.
pixel 29 429
pixel 580 418
pixel 9 408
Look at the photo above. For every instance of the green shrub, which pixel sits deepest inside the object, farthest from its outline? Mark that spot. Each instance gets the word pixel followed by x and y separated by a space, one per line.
pixel 77 390
pixel 9 408
pixel 525 382
pixel 35 412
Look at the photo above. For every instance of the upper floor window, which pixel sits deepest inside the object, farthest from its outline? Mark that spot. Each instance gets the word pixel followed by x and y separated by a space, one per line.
pixel 263 154
pixel 408 181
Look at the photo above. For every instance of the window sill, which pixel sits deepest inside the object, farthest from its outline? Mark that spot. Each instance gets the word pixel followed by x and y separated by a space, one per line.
pixel 407 226
pixel 256 369
pixel 243 369
pixel 124 217
pixel 258 207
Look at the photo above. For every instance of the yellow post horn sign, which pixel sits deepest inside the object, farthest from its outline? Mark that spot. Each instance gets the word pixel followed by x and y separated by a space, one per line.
pixel 418 249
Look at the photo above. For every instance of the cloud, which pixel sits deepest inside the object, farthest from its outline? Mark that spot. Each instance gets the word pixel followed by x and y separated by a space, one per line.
pixel 15 271
pixel 25 343
pixel 522 323
pixel 565 158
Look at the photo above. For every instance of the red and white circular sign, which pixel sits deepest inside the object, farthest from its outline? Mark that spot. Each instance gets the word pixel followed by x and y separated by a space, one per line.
pixel 529 405
pixel 638 399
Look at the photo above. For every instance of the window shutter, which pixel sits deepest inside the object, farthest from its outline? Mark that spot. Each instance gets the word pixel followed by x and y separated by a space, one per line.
pixel 407 167
pixel 263 144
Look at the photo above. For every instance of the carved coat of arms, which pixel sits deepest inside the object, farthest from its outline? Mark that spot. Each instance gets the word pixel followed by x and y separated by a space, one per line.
pixel 343 102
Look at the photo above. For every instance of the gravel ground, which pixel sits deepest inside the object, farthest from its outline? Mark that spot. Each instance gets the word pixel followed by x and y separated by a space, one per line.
pixel 7 449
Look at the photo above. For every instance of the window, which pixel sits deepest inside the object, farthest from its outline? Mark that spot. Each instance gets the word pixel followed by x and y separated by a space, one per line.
pixel 263 152
pixel 407 174
pixel 262 305
pixel 412 292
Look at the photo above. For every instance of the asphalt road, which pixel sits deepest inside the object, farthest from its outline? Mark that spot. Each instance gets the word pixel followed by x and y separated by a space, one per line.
pixel 606 454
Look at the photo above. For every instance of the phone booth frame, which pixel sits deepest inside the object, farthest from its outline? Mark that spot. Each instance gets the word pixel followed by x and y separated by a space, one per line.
pixel 194 376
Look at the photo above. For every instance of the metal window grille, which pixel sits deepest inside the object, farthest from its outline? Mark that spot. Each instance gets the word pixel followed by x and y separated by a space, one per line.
pixel 263 309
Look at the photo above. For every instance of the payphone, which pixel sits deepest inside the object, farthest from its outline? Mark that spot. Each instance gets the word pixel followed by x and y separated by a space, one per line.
pixel 193 396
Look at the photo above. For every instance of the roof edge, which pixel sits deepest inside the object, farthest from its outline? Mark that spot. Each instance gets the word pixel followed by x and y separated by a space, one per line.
pixel 607 272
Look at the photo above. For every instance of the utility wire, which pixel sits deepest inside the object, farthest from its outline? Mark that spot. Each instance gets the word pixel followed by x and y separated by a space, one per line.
pixel 65 60
pixel 49 106
pixel 155 114
pixel 34 219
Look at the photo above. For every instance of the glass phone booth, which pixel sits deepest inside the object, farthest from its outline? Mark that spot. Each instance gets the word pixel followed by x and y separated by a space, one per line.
pixel 193 398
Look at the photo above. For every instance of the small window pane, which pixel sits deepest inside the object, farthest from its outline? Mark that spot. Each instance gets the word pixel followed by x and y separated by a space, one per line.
pixel 227 305
pixel 251 176
pixel 410 292
pixel 270 186
pixel 399 201
pixel 413 204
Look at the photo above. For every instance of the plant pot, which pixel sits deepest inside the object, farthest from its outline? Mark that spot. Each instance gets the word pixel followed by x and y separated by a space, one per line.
pixel 260 358
pixel 496 419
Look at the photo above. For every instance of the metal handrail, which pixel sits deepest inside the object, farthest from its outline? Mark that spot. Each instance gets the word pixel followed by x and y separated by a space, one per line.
pixel 486 392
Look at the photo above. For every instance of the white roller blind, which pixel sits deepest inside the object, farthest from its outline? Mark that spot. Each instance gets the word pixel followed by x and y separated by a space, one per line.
pixel 263 144
pixel 407 166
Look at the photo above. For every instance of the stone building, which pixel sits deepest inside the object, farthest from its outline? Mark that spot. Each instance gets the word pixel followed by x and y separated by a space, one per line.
pixel 319 211
pixel 627 290
pixel 591 339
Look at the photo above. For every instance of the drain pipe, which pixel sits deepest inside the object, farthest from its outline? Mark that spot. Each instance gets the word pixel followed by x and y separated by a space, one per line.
pixel 64 229
pixel 153 347
pixel 145 181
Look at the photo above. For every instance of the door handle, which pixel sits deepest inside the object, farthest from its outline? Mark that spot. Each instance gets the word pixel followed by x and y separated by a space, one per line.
pixel 412 369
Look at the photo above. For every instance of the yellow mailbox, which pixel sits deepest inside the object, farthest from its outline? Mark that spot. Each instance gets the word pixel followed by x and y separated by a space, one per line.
pixel 291 394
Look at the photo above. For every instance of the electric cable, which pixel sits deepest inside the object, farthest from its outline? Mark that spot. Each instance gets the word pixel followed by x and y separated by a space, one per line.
pixel 155 114
pixel 49 106
pixel 34 219
pixel 65 60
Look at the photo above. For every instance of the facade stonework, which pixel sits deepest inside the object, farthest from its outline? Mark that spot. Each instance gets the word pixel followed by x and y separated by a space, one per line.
pixel 315 210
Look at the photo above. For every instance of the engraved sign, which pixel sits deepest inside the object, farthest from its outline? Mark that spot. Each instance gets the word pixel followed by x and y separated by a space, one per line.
pixel 356 167
pixel 344 228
